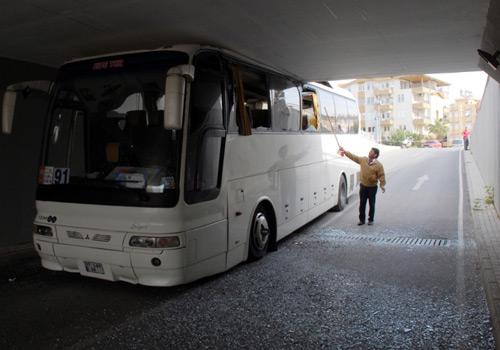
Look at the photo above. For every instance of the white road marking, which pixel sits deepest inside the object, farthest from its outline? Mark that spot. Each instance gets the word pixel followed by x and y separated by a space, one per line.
pixel 460 204
pixel 420 182
pixel 460 234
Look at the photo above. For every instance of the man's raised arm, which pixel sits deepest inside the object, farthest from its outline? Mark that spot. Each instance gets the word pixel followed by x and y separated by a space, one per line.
pixel 349 155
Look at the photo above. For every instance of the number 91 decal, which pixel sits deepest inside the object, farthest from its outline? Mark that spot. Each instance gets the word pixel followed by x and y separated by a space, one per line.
pixel 54 176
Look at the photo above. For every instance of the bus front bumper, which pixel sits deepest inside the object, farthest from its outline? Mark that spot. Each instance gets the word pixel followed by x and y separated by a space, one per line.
pixel 159 268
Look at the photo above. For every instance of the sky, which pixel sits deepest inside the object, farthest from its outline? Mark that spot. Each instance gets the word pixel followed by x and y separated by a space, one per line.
pixel 472 81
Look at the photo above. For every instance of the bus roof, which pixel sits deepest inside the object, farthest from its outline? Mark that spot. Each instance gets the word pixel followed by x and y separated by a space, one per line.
pixel 191 49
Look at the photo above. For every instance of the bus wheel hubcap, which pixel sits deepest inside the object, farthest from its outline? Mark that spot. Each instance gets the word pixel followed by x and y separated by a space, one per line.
pixel 260 231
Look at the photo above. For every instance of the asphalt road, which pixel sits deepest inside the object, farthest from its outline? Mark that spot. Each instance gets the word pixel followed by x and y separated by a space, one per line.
pixel 331 284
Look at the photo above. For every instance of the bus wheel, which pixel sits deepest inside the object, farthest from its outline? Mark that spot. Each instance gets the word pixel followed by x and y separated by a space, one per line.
pixel 260 233
pixel 342 196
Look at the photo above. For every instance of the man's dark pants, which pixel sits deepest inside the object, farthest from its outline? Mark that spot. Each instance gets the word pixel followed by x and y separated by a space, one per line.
pixel 367 194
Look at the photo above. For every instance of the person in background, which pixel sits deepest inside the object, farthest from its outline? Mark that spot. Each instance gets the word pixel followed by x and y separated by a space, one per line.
pixel 466 134
pixel 306 125
pixel 372 172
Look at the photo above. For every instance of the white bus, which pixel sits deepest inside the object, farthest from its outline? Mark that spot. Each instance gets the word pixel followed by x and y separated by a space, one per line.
pixel 165 166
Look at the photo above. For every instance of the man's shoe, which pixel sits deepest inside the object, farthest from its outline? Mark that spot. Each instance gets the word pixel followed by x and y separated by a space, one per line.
pixel 370 223
pixel 361 223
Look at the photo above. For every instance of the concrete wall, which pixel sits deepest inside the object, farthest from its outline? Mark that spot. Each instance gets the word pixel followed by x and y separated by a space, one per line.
pixel 485 140
pixel 19 153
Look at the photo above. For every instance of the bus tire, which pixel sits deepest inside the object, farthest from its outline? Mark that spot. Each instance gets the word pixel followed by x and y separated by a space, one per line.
pixel 342 195
pixel 260 233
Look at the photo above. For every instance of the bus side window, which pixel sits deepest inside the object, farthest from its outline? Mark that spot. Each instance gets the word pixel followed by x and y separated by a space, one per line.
pixel 353 117
pixel 341 126
pixel 309 112
pixel 256 99
pixel 285 104
pixel 206 131
pixel 327 113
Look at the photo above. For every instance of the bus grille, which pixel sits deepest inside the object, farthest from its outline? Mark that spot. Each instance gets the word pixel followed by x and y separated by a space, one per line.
pixel 96 237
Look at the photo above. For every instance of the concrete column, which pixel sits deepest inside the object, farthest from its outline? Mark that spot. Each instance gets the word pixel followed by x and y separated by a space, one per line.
pixel 485 138
pixel 19 153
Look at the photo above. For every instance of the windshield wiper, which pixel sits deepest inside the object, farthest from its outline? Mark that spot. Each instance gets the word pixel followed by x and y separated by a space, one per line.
pixel 104 183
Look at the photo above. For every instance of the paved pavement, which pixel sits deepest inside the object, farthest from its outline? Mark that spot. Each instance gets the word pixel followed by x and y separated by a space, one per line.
pixel 487 233
pixel 395 296
pixel 17 261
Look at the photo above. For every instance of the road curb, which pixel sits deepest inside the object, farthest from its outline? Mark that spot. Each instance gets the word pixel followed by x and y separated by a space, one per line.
pixel 487 234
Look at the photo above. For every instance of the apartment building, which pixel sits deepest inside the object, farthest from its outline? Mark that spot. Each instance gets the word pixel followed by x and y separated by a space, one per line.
pixel 461 114
pixel 409 102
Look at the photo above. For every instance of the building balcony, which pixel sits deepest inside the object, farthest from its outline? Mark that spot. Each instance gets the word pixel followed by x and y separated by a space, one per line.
pixel 421 104
pixel 382 91
pixel 387 122
pixel 420 122
pixel 384 107
pixel 421 90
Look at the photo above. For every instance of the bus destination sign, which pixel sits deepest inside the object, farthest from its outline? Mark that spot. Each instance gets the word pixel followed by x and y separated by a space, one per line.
pixel 108 64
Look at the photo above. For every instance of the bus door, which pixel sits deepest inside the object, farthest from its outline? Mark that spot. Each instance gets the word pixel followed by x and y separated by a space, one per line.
pixel 206 138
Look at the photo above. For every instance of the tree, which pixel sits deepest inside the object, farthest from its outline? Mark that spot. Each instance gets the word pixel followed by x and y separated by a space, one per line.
pixel 439 129
pixel 397 137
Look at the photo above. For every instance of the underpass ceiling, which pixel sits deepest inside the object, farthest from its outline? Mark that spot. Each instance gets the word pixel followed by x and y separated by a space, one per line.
pixel 316 40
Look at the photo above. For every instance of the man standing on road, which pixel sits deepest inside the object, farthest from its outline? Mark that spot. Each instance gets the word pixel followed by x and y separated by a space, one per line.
pixel 372 172
pixel 465 135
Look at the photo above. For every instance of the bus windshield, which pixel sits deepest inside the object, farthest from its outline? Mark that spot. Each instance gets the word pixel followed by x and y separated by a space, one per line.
pixel 106 143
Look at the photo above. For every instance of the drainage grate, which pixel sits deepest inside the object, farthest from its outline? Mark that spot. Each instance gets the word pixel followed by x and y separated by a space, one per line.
pixel 430 242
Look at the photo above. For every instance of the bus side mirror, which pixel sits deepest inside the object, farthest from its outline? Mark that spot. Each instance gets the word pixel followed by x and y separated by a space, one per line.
pixel 175 93
pixel 8 109
pixel 10 97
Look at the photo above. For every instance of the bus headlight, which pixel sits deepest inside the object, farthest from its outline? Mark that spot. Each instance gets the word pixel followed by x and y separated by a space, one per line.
pixel 42 230
pixel 142 242
pixel 155 242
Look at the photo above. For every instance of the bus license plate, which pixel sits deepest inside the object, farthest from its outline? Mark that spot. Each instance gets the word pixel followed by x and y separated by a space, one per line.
pixel 94 267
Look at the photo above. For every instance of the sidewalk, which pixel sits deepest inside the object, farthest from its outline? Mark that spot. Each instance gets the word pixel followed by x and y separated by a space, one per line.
pixel 487 233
